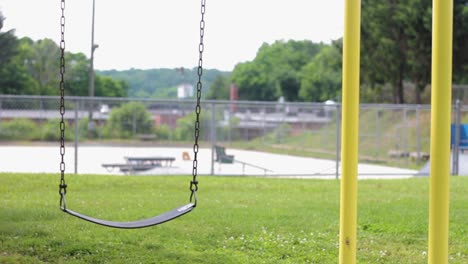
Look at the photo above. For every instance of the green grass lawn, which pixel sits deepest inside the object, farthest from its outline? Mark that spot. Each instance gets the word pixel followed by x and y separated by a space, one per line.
pixel 237 220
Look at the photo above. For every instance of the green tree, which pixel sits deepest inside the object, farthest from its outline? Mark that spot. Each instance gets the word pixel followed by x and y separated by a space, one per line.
pixel 219 89
pixel 253 82
pixel 396 44
pixel 284 61
pixel 383 46
pixel 106 86
pixel 77 79
pixel 416 18
pixel 41 61
pixel 32 67
pixel 13 76
pixel 8 42
pixel 460 58
pixel 321 78
pixel 15 80
pixel 275 71
pixel 77 74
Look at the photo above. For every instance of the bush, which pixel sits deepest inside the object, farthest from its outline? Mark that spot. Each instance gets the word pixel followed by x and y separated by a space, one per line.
pixel 162 132
pixel 19 129
pixel 83 130
pixel 129 120
pixel 51 131
pixel 186 126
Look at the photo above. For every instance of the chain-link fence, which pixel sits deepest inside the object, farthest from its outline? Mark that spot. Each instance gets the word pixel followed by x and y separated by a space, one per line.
pixel 389 135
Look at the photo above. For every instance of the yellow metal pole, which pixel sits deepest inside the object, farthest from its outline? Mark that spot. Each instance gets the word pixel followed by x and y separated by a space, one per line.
pixel 349 135
pixel 442 27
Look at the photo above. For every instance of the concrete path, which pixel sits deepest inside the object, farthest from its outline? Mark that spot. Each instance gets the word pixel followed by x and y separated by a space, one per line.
pixel 46 159
pixel 462 166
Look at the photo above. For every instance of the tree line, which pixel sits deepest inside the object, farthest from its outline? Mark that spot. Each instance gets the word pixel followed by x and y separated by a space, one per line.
pixel 30 67
pixel 294 70
pixel 395 59
pixel 161 83
pixel 395 64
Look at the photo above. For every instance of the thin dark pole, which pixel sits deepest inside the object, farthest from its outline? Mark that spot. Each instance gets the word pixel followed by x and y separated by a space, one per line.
pixel 91 74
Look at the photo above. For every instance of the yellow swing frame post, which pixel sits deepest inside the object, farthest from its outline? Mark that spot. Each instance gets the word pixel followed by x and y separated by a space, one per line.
pixel 442 27
pixel 440 131
pixel 350 134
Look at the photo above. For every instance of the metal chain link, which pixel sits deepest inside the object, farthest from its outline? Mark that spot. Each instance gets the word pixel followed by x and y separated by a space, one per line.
pixel 201 47
pixel 63 185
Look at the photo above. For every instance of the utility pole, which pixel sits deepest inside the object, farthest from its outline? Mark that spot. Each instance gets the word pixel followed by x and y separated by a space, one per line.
pixel 94 46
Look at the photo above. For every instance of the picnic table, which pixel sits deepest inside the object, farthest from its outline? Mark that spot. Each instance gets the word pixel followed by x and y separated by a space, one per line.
pixel 136 164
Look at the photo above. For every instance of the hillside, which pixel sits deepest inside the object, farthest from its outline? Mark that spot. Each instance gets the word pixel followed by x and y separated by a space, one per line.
pixel 161 83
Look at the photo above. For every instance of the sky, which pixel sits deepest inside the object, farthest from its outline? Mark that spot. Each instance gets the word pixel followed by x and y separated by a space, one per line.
pixel 145 34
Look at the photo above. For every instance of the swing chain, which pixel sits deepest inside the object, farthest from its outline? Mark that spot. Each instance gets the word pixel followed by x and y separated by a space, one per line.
pixel 63 185
pixel 201 47
pixel 194 182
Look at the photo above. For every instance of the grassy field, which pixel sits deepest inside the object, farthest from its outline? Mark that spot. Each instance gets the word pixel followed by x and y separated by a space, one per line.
pixel 375 141
pixel 238 220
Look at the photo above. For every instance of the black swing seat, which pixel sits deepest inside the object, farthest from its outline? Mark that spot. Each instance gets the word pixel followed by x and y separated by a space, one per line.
pixel 156 220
